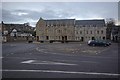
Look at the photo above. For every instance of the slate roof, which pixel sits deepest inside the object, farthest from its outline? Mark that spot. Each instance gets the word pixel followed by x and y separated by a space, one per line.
pixel 60 21
pixel 76 22
pixel 90 22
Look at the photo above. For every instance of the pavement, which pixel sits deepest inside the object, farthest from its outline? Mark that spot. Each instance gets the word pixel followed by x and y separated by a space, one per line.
pixel 59 60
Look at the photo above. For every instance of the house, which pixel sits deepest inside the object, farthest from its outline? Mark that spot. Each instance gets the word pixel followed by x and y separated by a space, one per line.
pixel 70 30
pixel 90 30
pixel 115 34
pixel 14 32
pixel 60 29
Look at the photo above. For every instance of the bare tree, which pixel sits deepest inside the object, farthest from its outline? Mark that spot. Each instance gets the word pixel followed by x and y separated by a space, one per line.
pixel 110 23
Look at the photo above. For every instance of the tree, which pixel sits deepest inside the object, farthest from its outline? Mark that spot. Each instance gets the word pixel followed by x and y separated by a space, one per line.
pixel 34 33
pixel 110 24
pixel 110 21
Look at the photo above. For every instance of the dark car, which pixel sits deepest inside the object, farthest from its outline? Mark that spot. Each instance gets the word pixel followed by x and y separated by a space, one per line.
pixel 108 41
pixel 98 43
pixel 30 41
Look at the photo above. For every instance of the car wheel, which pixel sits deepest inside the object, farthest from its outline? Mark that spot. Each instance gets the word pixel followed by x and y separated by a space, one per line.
pixel 93 44
pixel 105 45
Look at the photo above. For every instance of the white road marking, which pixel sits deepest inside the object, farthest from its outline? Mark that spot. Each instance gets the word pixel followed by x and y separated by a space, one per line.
pixel 66 72
pixel 1 57
pixel 45 62
pixel 53 63
pixel 28 61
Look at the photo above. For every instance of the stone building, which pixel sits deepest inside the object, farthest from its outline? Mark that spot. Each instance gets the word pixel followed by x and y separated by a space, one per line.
pixel 70 30
pixel 61 29
pixel 90 30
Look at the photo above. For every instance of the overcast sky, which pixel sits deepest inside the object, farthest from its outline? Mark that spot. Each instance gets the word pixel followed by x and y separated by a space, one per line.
pixel 21 12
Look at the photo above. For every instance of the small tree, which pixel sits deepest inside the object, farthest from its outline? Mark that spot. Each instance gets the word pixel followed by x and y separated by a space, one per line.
pixel 110 24
pixel 34 33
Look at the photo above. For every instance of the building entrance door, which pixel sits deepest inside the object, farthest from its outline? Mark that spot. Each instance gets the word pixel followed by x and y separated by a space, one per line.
pixel 65 38
pixel 93 38
pixel 37 38
pixel 103 38
pixel 82 38
pixel 47 37
pixel 62 38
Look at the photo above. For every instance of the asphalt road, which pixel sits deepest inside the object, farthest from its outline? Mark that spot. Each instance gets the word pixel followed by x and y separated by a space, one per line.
pixel 59 60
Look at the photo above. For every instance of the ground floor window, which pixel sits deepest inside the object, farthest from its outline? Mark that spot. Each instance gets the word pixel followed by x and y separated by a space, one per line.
pixel 93 38
pixel 103 38
pixel 37 38
pixel 47 37
pixel 59 37
pixel 82 38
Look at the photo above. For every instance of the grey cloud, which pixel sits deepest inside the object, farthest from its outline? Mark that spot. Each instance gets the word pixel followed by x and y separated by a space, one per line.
pixel 8 17
pixel 34 15
pixel 119 11
pixel 56 10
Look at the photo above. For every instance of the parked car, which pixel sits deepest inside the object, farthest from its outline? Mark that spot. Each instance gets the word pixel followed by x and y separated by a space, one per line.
pixel 108 41
pixel 98 43
pixel 30 41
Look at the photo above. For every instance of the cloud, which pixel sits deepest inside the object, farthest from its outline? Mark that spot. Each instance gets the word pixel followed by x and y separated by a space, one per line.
pixel 27 15
pixel 7 16
pixel 19 13
pixel 119 12
pixel 31 15
pixel 31 12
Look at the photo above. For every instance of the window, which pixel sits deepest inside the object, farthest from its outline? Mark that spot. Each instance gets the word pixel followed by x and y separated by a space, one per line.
pixel 69 37
pixel 87 32
pixel 76 38
pixel 63 24
pixel 76 32
pixel 47 37
pixel 103 38
pixel 94 25
pixel 59 37
pixel 59 31
pixel 91 32
pixel 76 25
pixel 80 32
pixel 97 32
pixel 101 31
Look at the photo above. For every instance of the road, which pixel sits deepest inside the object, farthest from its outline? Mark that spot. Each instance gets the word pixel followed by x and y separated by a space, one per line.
pixel 59 60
